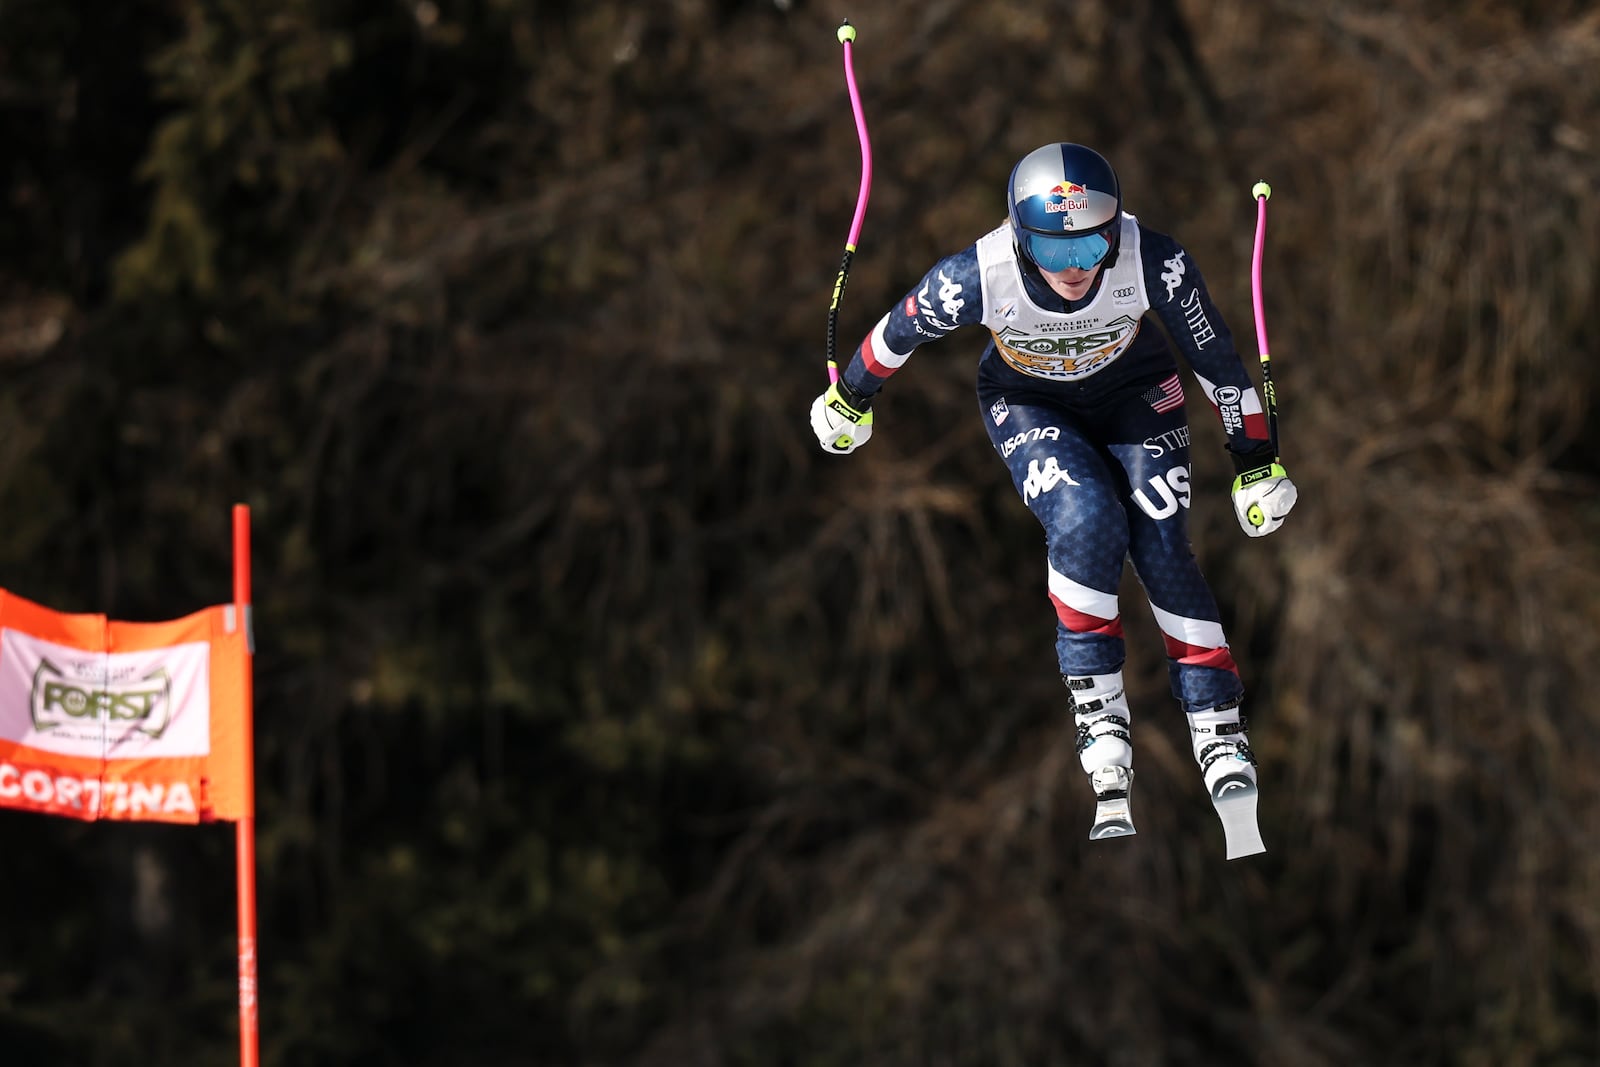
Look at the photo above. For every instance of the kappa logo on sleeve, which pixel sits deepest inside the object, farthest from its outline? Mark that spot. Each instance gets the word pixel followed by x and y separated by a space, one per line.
pixel 1172 277
pixel 950 295
pixel 929 316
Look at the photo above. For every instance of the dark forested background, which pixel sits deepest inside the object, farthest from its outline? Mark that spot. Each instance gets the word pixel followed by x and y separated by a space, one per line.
pixel 603 720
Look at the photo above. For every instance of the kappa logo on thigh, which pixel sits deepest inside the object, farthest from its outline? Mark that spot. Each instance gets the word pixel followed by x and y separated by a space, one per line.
pixel 1044 477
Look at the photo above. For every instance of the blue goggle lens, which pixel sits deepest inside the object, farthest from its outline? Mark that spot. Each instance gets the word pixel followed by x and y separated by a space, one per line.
pixel 1060 253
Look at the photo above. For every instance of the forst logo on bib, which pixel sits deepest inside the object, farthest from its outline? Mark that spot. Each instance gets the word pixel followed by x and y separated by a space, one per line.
pixel 1062 357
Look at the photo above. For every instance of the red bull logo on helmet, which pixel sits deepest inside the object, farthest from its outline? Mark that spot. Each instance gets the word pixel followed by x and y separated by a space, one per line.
pixel 1066 196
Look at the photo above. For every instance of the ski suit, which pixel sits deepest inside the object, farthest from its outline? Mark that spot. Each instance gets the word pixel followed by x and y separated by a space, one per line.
pixel 1084 403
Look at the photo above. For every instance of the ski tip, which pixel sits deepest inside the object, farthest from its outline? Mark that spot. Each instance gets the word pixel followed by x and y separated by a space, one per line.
pixel 1116 828
pixel 1234 796
pixel 1233 787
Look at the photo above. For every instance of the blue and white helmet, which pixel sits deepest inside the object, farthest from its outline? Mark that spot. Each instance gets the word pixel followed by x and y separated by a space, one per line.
pixel 1065 206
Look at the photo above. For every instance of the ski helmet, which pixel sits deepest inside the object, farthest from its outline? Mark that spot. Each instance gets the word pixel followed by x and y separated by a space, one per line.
pixel 1065 206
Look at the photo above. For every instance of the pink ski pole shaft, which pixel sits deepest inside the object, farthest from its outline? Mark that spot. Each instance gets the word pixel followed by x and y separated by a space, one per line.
pixel 847 36
pixel 1263 192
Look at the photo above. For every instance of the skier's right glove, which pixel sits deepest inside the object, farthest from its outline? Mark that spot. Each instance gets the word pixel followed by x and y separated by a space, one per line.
pixel 1262 498
pixel 841 419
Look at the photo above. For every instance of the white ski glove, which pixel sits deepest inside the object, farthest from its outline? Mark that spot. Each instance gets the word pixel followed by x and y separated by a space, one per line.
pixel 841 419
pixel 1262 498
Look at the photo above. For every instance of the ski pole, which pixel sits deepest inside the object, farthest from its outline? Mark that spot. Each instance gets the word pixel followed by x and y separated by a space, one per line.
pixel 1263 192
pixel 847 35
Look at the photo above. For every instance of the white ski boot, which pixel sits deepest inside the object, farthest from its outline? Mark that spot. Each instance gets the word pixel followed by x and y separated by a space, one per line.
pixel 1222 749
pixel 1105 749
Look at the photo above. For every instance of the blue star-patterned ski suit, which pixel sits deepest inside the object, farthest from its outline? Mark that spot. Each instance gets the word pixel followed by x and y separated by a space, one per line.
pixel 1084 403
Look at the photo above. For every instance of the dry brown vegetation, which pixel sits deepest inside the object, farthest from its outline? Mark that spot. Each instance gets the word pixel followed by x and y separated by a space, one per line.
pixel 1421 640
pixel 719 751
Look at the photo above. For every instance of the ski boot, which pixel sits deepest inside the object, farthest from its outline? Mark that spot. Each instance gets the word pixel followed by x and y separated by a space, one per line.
pixel 1229 768
pixel 1105 749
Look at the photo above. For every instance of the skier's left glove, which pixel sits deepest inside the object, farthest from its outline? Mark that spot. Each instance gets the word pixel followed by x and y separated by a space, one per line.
pixel 1262 497
pixel 842 419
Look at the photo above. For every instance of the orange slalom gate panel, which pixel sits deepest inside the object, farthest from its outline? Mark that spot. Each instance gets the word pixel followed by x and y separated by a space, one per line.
pixel 137 721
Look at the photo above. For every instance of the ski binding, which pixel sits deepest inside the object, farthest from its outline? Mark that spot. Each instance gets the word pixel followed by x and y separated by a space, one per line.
pixel 1113 813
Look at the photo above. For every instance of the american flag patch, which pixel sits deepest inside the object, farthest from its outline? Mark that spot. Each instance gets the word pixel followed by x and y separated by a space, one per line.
pixel 1166 396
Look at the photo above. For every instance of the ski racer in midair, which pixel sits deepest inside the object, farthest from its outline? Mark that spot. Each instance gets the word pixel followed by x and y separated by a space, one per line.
pixel 1083 401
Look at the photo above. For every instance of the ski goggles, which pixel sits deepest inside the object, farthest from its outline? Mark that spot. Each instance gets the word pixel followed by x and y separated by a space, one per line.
pixel 1054 253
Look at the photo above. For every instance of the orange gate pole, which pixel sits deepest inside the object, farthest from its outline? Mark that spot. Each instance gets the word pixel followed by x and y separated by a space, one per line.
pixel 245 828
